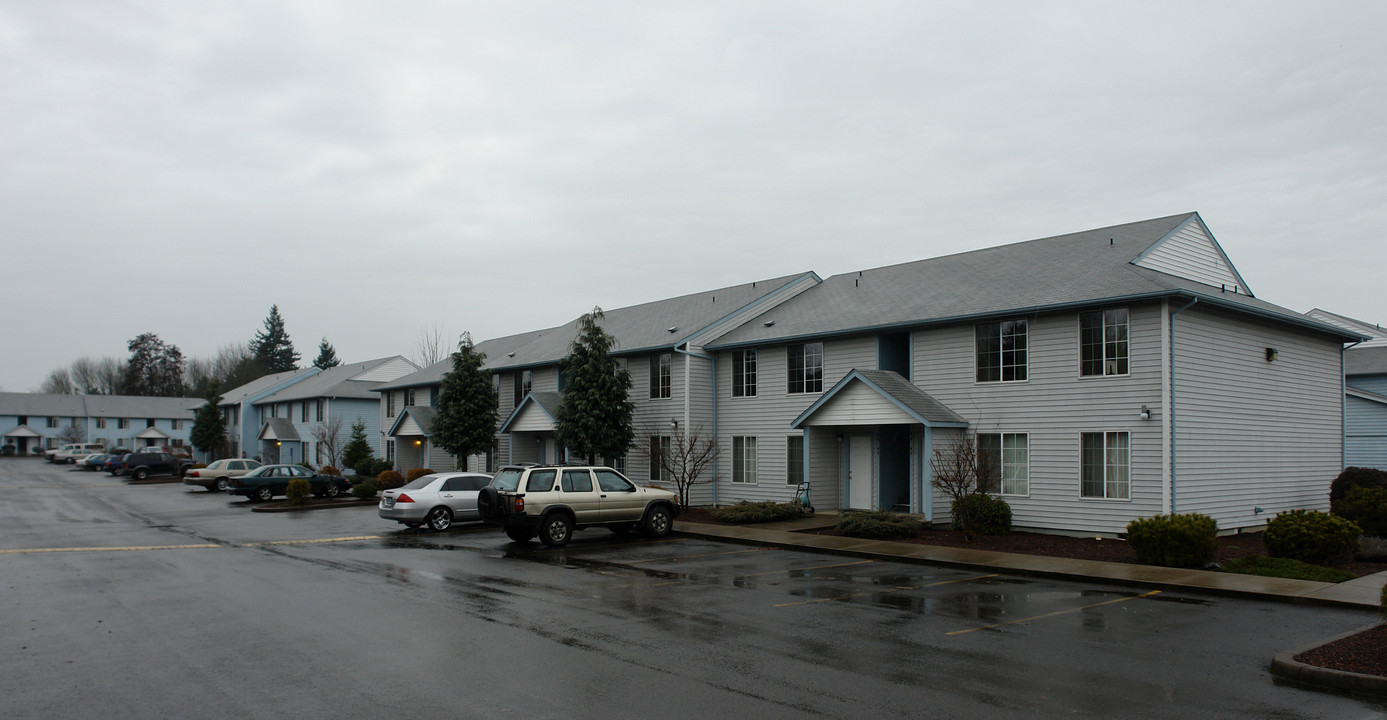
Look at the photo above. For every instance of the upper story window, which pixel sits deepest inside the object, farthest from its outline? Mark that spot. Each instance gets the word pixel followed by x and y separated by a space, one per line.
pixel 390 403
pixel 1103 342
pixel 1001 351
pixel 52 422
pixel 805 364
pixel 409 397
pixel 177 424
pixel 661 371
pixel 744 373
pixel 318 410
pixel 527 381
pixel 496 390
pixel 101 423
pixel 303 411
pixel 123 423
pixel 149 422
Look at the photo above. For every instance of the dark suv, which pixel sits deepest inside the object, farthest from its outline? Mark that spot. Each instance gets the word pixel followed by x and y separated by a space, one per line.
pixel 553 501
pixel 141 465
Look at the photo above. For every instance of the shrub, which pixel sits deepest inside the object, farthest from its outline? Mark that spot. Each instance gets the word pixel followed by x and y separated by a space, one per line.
pixel 1356 476
pixel 389 479
pixel 329 470
pixel 365 490
pixel 298 491
pixel 878 525
pixel 1312 536
pixel 1174 540
pixel 1284 568
pixel 757 512
pixel 417 473
pixel 981 513
pixel 198 466
pixel 1366 508
pixel 371 467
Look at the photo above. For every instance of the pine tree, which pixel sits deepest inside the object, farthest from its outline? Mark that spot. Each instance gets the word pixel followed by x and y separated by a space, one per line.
pixel 155 369
pixel 594 416
pixel 465 418
pixel 272 347
pixel 209 426
pixel 357 448
pixel 327 356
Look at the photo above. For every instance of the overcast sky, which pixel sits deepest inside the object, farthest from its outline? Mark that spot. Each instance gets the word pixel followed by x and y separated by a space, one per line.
pixel 378 169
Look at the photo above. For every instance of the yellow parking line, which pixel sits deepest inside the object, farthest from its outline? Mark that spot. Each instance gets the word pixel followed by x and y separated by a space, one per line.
pixel 313 541
pixel 776 572
pixel 884 592
pixel 1057 612
pixel 24 551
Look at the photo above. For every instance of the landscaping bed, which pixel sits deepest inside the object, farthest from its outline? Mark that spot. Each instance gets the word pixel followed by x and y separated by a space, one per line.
pixel 312 503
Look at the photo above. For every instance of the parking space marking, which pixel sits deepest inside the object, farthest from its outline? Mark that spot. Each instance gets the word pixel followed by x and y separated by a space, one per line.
pixel 773 572
pixel 314 541
pixel 1057 612
pixel 850 596
pixel 23 551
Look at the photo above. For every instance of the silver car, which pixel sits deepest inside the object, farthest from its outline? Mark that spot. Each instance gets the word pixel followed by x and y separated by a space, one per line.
pixel 436 500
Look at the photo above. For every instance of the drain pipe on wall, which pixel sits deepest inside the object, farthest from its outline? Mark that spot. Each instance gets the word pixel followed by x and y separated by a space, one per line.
pixel 1171 409
pixel 1343 402
pixel 713 363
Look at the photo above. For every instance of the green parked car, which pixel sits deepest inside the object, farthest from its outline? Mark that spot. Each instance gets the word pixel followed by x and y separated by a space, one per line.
pixel 267 481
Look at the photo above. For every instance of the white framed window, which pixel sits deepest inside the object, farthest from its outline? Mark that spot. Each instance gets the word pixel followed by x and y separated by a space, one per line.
pixel 101 423
pixel 1001 351
pixel 390 403
pixel 52 422
pixel 1106 460
pixel 744 460
pixel 409 397
pixel 805 368
pixel 177 424
pixel 1004 463
pixel 319 405
pixel 1103 347
pixel 303 411
pixel 661 374
pixel 744 373
pixel 123 423
pixel 794 459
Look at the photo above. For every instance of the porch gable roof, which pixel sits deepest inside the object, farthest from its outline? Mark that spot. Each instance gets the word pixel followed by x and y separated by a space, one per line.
pixel 415 420
pixel 544 402
pixel 278 428
pixel 893 390
pixel 23 431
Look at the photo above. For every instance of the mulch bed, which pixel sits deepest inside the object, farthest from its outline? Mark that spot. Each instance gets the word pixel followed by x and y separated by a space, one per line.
pixel 1364 653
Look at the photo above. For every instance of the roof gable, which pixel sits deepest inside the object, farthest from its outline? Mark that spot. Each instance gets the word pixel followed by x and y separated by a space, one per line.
pixel 1191 252
pixel 415 420
pixel 877 397
pixel 535 413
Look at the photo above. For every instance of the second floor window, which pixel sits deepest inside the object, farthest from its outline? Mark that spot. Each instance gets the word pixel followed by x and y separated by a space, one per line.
pixel 319 409
pixel 1103 342
pixel 101 423
pixel 303 412
pixel 390 404
pixel 661 370
pixel 744 373
pixel 1001 351
pixel 409 397
pixel 52 422
pixel 805 364
pixel 123 423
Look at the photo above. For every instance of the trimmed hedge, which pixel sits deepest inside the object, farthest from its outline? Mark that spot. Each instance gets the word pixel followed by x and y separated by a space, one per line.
pixel 298 491
pixel 988 514
pixel 1188 540
pixel 330 470
pixel 389 480
pixel 878 525
pixel 417 473
pixel 757 512
pixel 365 490
pixel 1366 508
pixel 1356 476
pixel 1312 536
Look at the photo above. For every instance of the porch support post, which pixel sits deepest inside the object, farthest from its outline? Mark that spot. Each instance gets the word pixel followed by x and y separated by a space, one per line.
pixel 927 473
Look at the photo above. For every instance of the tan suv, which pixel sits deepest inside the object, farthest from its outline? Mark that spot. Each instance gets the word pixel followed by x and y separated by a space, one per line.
pixel 554 500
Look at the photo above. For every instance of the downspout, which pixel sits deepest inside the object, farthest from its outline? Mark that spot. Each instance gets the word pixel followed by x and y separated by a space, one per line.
pixel 1343 401
pixel 1171 409
pixel 714 362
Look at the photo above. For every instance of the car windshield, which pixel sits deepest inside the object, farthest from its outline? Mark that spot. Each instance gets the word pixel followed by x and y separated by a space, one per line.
pixel 420 482
pixel 508 479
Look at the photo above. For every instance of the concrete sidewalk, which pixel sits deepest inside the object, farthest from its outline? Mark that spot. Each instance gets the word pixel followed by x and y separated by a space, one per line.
pixel 1361 593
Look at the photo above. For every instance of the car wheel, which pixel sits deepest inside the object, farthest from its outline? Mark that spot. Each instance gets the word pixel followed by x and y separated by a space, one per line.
pixel 658 521
pixel 140 474
pixel 440 519
pixel 331 490
pixel 488 503
pixel 623 528
pixel 72 461
pixel 220 485
pixel 519 534
pixel 556 530
pixel 265 493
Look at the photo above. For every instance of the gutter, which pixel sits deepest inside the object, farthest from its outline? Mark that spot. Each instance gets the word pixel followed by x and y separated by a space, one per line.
pixel 1171 410
pixel 714 363
pixel 1343 401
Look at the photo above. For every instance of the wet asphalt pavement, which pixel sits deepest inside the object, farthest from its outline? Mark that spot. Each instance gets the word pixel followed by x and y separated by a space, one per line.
pixel 167 601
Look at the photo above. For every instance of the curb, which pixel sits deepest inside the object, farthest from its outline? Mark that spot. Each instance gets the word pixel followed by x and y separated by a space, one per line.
pixel 280 507
pixel 1285 666
pixel 156 481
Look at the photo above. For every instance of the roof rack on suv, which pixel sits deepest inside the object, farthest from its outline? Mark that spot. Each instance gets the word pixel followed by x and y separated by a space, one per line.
pixel 554 500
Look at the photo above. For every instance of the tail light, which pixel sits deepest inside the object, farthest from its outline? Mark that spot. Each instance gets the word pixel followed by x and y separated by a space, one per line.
pixel 518 504
pixel 404 498
pixel 193 473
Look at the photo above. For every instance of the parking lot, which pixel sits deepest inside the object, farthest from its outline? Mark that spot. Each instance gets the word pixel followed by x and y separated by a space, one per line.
pixel 161 600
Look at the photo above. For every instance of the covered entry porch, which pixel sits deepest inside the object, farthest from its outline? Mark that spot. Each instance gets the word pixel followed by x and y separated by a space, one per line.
pixel 883 428
pixel 411 433
pixel 280 442
pixel 531 430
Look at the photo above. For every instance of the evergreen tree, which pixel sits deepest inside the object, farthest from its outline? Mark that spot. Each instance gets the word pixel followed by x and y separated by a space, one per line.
pixel 272 347
pixel 327 356
pixel 465 418
pixel 155 369
pixel 594 416
pixel 209 426
pixel 357 448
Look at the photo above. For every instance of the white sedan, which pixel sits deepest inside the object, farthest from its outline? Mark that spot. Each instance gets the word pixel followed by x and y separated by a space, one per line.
pixel 437 500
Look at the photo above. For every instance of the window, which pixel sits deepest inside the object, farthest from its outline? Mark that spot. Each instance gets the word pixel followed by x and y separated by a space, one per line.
pixel 744 460
pixel 661 370
pixel 1004 457
pixel 1001 351
pixel 101 423
pixel 390 451
pixel 177 424
pixel 806 368
pixel 496 390
pixel 318 454
pixel 609 481
pixel 149 423
pixel 319 405
pixel 1107 467
pixel 389 404
pixel 794 459
pixel 409 397
pixel 177 442
pixel 518 387
pixel 576 481
pixel 123 423
pixel 52 422
pixel 659 448
pixel 75 421
pixel 540 481
pixel 1103 342
pixel 744 373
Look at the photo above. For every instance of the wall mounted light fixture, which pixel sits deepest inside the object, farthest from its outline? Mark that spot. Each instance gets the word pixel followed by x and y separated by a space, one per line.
pixel 673 424
pixel 1272 354
pixel 1145 413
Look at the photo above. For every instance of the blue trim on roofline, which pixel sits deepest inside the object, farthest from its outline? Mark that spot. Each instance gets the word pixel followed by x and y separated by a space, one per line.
pixel 753 304
pixel 856 374
pixel 1306 323
pixel 1195 217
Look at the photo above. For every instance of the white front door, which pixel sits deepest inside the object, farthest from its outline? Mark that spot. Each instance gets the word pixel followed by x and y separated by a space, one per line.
pixel 860 472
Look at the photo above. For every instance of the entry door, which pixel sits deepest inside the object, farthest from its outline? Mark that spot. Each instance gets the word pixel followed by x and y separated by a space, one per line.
pixel 860 472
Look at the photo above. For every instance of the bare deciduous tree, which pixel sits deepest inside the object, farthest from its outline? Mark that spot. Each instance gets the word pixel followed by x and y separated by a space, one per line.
pixel 690 453
pixel 431 348
pixel 58 382
pixel 72 434
pixel 328 435
pixel 959 471
pixel 97 376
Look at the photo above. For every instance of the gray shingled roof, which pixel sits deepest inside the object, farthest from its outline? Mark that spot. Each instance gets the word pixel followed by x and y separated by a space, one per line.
pixel 117 406
pixel 334 382
pixel 238 395
pixel 911 397
pixel 423 417
pixel 42 405
pixel 1365 361
pixel 1078 269
pixel 283 429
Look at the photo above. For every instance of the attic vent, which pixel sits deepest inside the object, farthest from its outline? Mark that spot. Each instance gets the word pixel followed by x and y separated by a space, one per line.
pixel 1111 242
pixel 770 323
pixel 510 354
pixel 671 330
